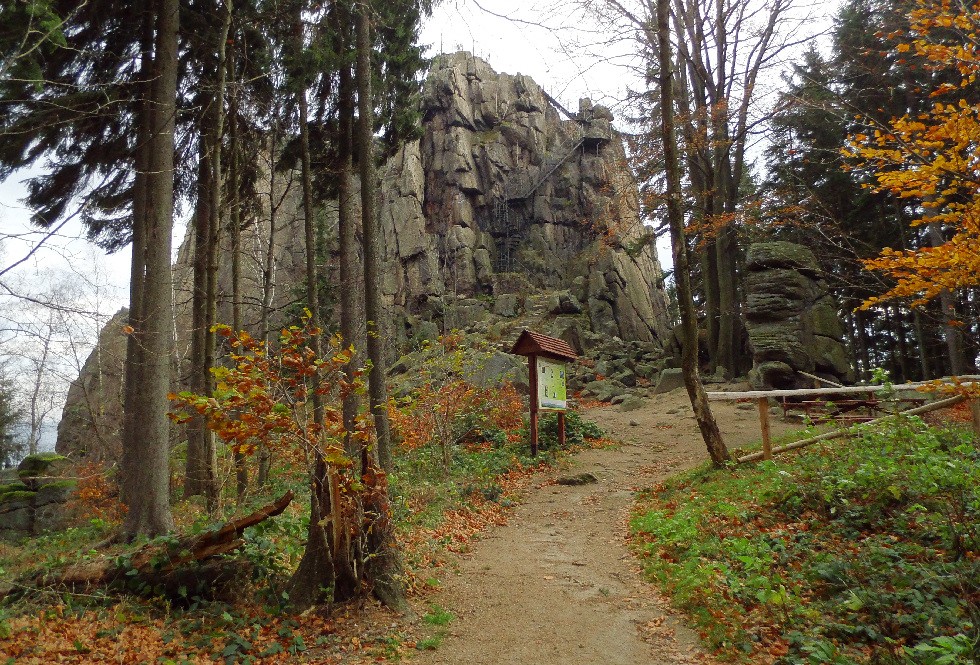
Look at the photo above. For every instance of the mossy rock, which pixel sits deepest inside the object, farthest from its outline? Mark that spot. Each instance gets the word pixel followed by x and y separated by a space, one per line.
pixel 12 488
pixel 781 254
pixel 56 492
pixel 18 495
pixel 37 465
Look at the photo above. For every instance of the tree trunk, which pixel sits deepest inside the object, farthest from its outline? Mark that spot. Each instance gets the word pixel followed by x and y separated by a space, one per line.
pixel 699 400
pixel 235 214
pixel 384 564
pixel 947 303
pixel 196 473
pixel 269 273
pixel 904 369
pixel 350 267
pixel 377 388
pixel 37 418
pixel 133 368
pixel 327 562
pixel 146 454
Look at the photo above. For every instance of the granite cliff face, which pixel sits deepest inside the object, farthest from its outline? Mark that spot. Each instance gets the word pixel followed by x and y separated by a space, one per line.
pixel 502 214
pixel 500 184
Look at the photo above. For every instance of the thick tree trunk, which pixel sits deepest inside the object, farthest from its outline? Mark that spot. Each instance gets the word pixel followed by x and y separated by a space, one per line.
pixel 699 400
pixel 146 454
pixel 328 561
pixel 377 388
pixel 384 564
pixel 133 369
pixel 351 271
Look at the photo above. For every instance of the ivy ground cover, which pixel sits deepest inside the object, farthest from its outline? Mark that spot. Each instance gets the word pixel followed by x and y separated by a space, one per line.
pixel 861 552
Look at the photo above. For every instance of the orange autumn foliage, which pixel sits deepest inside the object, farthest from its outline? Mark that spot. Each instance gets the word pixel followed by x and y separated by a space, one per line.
pixel 450 407
pixel 96 496
pixel 264 397
pixel 934 156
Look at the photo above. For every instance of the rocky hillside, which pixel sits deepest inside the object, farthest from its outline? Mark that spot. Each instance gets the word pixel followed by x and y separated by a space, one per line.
pixel 509 211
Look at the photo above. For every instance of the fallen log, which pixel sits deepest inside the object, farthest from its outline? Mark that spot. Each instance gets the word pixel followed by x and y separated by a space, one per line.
pixel 161 565
pixel 828 436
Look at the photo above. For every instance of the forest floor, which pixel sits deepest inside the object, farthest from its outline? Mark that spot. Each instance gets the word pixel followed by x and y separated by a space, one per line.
pixel 557 584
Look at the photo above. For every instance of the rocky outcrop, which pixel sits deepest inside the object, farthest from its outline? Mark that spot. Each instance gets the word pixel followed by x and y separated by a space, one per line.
pixel 502 213
pixel 91 422
pixel 35 503
pixel 792 321
pixel 500 184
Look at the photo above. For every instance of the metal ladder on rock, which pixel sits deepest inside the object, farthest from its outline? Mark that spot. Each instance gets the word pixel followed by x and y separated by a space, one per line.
pixel 518 188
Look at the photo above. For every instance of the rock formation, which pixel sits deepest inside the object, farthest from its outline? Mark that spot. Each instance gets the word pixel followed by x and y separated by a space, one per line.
pixel 500 184
pixel 501 214
pixel 35 503
pixel 91 421
pixel 793 323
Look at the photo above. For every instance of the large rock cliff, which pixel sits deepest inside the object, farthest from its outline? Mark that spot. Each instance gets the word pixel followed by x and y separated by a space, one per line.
pixel 498 184
pixel 502 214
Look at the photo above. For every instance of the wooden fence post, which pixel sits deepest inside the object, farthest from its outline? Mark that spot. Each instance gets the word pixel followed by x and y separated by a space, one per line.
pixel 764 421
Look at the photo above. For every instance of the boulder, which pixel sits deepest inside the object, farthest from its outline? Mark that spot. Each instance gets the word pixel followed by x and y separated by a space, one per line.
pixel 604 391
pixel 632 403
pixel 772 375
pixel 567 304
pixel 507 305
pixel 669 379
pixel 16 519
pixel 34 470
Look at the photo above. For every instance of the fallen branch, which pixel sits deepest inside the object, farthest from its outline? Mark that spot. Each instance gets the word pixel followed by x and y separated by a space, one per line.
pixel 836 434
pixel 160 564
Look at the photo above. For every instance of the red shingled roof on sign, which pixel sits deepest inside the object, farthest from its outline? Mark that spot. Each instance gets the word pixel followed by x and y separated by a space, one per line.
pixel 535 344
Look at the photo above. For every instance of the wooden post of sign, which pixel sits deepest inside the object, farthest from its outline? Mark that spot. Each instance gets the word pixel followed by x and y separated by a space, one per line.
pixel 764 421
pixel 532 367
pixel 561 430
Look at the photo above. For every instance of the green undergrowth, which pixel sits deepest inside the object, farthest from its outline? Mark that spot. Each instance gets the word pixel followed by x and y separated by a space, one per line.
pixel 863 551
pixel 423 490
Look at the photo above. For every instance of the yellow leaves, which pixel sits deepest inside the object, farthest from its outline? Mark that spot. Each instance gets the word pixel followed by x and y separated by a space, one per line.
pixel 933 158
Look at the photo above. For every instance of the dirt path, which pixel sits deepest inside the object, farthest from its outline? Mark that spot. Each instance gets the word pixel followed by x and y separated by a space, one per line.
pixel 557 585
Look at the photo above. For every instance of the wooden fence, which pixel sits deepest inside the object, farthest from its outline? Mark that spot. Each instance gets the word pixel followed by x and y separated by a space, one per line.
pixel 761 397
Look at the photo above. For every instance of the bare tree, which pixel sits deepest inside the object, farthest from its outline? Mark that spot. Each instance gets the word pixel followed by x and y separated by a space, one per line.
pixel 695 389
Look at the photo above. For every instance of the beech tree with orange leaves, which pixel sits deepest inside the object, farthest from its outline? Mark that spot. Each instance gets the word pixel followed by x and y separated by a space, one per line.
pixel 933 157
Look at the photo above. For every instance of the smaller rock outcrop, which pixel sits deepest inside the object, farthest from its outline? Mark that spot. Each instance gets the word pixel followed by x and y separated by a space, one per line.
pixel 34 504
pixel 792 321
pixel 91 423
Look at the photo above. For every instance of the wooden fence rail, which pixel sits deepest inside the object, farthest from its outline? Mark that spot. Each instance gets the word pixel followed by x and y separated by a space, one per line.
pixel 762 399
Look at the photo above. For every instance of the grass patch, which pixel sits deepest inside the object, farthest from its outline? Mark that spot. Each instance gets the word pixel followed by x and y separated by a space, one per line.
pixel 866 551
pixel 438 616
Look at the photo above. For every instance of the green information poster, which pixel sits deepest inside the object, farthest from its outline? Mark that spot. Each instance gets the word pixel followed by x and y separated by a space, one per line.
pixel 551 384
